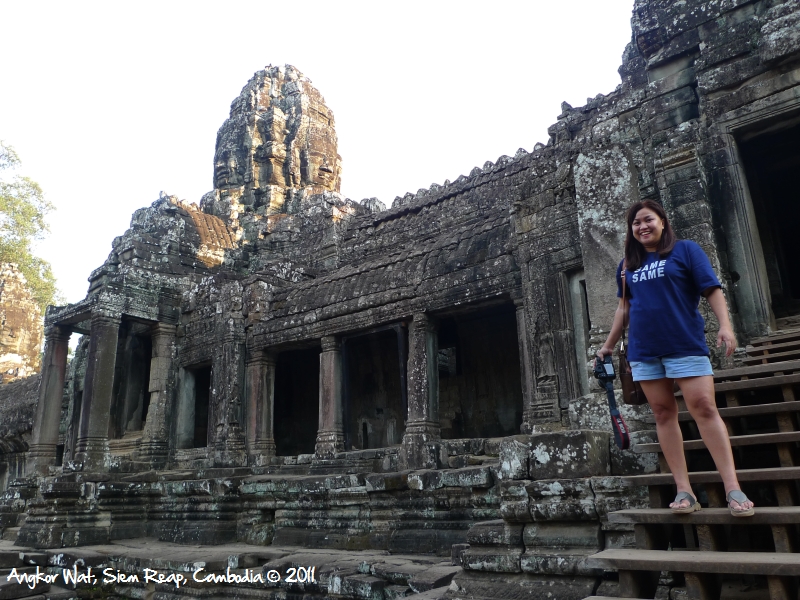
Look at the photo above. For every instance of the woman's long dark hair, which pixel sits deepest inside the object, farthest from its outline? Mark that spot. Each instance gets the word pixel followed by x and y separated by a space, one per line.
pixel 635 252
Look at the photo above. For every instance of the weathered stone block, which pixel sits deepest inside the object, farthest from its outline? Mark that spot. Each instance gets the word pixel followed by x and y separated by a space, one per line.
pixel 562 500
pixel 514 457
pixel 519 587
pixel 495 533
pixel 434 577
pixel 574 453
pixel 492 559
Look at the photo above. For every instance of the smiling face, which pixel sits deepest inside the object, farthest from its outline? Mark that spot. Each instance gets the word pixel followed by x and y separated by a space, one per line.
pixel 647 228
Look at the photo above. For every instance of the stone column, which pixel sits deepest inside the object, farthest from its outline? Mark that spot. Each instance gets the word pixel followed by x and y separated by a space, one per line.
pixel 330 437
pixel 228 377
pixel 260 407
pixel 526 368
pixel 421 447
pixel 154 447
pixel 44 438
pixel 91 449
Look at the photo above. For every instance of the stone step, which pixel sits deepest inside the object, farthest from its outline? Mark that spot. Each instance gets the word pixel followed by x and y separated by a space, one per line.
pixel 736 441
pixel 731 412
pixel 697 561
pixel 769 515
pixel 10 533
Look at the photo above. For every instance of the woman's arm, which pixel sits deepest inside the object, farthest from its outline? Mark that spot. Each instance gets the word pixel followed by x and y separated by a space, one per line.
pixel 716 299
pixel 616 329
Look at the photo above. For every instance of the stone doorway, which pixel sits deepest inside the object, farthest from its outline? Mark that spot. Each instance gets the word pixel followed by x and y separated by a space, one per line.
pixel 480 387
pixel 375 410
pixel 132 378
pixel 296 416
pixel 771 158
pixel 193 406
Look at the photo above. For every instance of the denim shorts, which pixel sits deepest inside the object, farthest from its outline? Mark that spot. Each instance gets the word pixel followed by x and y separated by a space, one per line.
pixel 674 368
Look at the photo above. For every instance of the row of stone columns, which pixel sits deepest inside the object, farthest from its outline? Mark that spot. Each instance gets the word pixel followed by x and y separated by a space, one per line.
pixel 422 427
pixel 422 432
pixel 91 446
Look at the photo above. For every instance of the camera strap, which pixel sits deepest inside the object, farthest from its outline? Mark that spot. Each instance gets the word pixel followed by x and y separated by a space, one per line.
pixel 621 436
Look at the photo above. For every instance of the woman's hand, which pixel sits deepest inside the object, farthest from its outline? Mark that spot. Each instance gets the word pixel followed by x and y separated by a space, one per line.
pixel 605 351
pixel 725 336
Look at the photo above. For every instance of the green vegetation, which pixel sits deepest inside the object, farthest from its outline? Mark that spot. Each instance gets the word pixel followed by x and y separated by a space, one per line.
pixel 23 209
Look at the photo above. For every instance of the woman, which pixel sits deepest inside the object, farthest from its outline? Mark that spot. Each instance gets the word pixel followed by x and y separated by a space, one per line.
pixel 664 278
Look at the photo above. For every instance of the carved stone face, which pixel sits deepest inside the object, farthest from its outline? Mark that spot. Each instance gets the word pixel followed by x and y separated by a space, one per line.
pixel 226 173
pixel 280 136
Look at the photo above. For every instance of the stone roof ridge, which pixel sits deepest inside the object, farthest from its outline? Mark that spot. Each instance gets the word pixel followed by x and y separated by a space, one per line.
pixel 436 192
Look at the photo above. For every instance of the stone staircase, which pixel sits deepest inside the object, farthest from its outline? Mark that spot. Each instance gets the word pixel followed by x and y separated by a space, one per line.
pixel 711 555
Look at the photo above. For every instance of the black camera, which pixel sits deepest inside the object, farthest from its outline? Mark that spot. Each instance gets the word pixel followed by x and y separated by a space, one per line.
pixel 604 370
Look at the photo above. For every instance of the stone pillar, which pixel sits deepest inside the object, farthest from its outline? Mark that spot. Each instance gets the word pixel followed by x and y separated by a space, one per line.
pixel 154 447
pixel 526 368
pixel 330 437
pixel 421 447
pixel 228 379
pixel 91 449
pixel 44 438
pixel 260 407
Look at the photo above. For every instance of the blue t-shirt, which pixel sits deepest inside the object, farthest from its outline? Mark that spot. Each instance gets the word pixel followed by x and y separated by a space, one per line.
pixel 664 295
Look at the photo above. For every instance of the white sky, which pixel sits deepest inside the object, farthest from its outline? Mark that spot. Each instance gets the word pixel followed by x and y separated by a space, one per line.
pixel 107 103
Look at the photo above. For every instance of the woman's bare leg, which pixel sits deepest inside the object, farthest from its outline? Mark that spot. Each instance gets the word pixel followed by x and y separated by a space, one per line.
pixel 698 392
pixel 661 398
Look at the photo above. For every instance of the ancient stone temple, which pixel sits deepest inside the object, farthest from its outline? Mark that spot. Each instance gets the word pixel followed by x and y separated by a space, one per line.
pixel 400 398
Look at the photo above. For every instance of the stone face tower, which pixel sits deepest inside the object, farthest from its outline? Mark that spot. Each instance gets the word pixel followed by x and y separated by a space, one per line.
pixel 277 147
pixel 21 333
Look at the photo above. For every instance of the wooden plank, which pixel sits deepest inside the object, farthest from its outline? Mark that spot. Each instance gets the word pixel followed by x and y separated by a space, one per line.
pixel 744 475
pixel 730 412
pixel 791 355
pixel 770 349
pixel 768 515
pixel 736 441
pixel 788 366
pixel 756 384
pixel 698 561
pixel 773 339
pixel 752 384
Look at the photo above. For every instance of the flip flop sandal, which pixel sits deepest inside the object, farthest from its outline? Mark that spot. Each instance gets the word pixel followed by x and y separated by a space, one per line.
pixel 685 510
pixel 739 496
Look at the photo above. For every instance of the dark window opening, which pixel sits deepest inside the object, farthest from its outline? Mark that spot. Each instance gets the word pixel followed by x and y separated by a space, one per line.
pixel 296 413
pixel 60 455
pixel 373 390
pixel 772 164
pixel 480 387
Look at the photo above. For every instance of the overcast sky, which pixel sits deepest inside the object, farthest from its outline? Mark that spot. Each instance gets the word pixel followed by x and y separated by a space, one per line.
pixel 108 103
